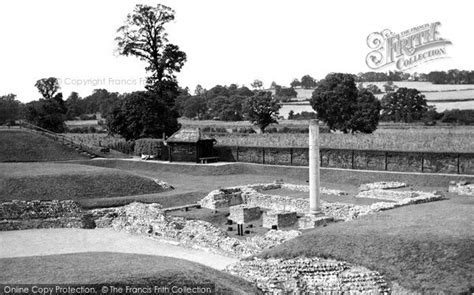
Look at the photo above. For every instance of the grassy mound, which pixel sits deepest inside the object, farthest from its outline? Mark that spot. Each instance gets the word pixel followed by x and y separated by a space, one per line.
pixel 61 181
pixel 24 146
pixel 116 269
pixel 425 247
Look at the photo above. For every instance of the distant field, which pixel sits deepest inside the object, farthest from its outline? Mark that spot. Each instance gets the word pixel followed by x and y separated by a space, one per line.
pixel 425 86
pixel 119 269
pixel 23 146
pixel 49 181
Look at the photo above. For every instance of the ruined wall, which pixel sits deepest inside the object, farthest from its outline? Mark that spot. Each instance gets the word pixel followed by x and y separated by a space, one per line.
pixel 16 215
pixel 434 162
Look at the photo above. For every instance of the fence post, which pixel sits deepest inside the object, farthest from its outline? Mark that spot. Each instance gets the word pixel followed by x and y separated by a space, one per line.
pixel 263 155
pixel 352 160
pixel 291 156
pixel 237 154
pixel 422 162
pixel 458 162
pixel 386 160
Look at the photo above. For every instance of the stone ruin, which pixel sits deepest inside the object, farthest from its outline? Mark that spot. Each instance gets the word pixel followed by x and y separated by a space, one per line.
pixel 279 219
pixel 151 220
pixel 17 215
pixel 309 276
pixel 254 196
pixel 241 214
pixel 461 188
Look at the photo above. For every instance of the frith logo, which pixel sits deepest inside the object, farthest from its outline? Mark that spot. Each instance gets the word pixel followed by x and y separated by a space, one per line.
pixel 407 49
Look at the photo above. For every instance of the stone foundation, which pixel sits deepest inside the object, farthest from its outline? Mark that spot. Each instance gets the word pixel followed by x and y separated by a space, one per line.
pixel 243 213
pixel 309 276
pixel 461 188
pixel 279 219
pixel 17 215
pixel 311 221
pixel 222 198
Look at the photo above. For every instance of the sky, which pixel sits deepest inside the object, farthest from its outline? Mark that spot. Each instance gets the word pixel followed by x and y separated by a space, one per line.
pixel 226 41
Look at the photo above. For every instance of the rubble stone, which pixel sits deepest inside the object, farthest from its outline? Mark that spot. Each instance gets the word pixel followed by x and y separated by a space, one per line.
pixel 462 188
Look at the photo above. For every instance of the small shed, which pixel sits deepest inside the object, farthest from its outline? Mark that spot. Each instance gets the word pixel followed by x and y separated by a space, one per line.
pixel 190 145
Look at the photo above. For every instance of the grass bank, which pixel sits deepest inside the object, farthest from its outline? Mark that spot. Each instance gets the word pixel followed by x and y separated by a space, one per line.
pixel 105 268
pixel 425 248
pixel 64 181
pixel 23 146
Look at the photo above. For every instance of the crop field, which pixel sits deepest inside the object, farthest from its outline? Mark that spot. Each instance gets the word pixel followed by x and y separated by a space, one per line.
pixel 441 140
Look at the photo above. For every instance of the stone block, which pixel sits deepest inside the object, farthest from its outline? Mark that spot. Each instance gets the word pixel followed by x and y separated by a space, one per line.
pixel 279 219
pixel 311 221
pixel 242 213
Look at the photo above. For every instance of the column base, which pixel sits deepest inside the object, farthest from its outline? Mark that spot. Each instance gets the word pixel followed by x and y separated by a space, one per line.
pixel 314 219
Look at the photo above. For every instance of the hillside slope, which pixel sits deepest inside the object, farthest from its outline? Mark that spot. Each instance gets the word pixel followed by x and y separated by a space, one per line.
pixel 105 268
pixel 23 146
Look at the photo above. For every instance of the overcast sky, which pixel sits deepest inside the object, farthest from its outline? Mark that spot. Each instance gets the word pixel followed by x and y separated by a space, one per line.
pixel 225 41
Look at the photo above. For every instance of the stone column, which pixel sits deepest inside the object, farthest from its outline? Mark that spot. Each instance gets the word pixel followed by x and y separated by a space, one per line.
pixel 314 179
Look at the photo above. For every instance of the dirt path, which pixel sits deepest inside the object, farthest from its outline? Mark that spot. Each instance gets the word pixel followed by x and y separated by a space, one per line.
pixel 64 240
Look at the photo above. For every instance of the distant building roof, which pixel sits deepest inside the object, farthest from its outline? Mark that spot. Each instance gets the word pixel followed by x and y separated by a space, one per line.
pixel 188 135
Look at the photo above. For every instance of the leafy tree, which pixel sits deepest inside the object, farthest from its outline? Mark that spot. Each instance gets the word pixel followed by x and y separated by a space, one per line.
pixel 48 87
pixel 141 114
pixel 285 94
pixel 389 87
pixel 257 84
pixel 404 105
pixel 195 107
pixel 75 106
pixel 295 83
pixel 50 111
pixel 273 85
pixel 366 114
pixel 143 35
pixel 262 110
pixel 342 106
pixel 10 109
pixel 308 82
pixel 100 101
pixel 373 88
pixel 199 90
pixel 227 108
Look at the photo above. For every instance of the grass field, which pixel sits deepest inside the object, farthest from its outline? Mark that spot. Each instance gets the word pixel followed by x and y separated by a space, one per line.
pixel 425 247
pixel 48 181
pixel 105 268
pixel 23 146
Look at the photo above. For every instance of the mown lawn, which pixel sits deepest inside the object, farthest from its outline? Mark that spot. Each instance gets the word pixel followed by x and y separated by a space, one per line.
pixel 64 181
pixel 23 146
pixel 426 247
pixel 104 268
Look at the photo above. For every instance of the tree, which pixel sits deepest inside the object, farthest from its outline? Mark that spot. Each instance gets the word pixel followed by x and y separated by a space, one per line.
pixel 141 114
pixel 195 107
pixel 366 114
pixel 343 107
pixel 273 85
pixel 389 87
pixel 295 83
pixel 50 111
pixel 143 35
pixel 373 88
pixel 199 90
pixel 75 106
pixel 48 87
pixel 227 108
pixel 285 94
pixel 404 105
pixel 257 84
pixel 262 110
pixel 10 109
pixel 308 82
